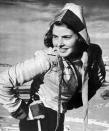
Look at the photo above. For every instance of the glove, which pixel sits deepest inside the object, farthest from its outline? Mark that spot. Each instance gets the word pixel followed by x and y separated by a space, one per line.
pixel 36 110
pixel 21 112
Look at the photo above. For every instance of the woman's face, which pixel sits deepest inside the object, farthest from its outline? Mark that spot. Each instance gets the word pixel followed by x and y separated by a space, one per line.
pixel 64 40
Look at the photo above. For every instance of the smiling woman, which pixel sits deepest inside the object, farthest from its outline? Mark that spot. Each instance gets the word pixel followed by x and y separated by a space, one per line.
pixel 59 73
pixel 64 40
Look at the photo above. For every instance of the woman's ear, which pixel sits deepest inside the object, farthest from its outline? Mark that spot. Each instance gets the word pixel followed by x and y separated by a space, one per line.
pixel 76 36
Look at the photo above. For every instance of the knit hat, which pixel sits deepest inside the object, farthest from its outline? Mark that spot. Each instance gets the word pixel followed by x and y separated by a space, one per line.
pixel 72 15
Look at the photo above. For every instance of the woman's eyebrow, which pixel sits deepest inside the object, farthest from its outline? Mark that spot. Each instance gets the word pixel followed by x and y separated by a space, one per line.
pixel 64 36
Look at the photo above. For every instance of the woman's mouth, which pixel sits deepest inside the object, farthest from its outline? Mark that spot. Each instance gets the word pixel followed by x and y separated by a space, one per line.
pixel 62 50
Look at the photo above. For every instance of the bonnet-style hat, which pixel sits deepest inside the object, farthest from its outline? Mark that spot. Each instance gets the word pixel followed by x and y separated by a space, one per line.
pixel 72 15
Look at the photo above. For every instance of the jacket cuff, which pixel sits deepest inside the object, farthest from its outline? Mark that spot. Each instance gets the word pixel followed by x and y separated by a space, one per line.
pixel 21 112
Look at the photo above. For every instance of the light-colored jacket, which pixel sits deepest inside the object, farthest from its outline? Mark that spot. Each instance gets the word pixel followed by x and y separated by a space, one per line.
pixel 44 64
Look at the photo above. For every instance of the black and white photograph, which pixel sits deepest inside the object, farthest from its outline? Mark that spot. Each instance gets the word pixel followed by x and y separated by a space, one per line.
pixel 54 65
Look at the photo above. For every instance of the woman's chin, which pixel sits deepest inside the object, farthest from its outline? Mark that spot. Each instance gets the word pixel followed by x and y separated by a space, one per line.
pixel 65 54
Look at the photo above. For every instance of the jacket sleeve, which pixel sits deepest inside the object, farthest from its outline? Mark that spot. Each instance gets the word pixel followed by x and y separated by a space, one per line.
pixel 16 76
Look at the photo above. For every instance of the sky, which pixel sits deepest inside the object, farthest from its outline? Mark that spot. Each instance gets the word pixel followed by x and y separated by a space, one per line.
pixel 103 3
pixel 89 3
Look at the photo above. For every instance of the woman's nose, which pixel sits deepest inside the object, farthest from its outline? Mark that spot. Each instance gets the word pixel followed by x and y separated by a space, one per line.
pixel 60 42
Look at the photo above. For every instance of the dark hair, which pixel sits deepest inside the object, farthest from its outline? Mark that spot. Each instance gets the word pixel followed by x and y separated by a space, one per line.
pixel 81 43
pixel 48 37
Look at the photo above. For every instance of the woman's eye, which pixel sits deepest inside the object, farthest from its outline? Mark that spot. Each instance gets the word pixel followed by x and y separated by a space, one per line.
pixel 54 36
pixel 67 37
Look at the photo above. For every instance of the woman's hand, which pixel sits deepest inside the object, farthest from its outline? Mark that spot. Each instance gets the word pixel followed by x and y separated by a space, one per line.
pixel 36 110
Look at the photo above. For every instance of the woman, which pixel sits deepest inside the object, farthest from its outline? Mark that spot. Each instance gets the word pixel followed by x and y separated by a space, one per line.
pixel 59 72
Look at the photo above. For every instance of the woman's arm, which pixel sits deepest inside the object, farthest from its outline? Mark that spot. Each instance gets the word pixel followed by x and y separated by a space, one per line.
pixel 16 76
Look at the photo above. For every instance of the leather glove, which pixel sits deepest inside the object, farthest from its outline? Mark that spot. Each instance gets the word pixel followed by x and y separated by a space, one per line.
pixel 36 110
